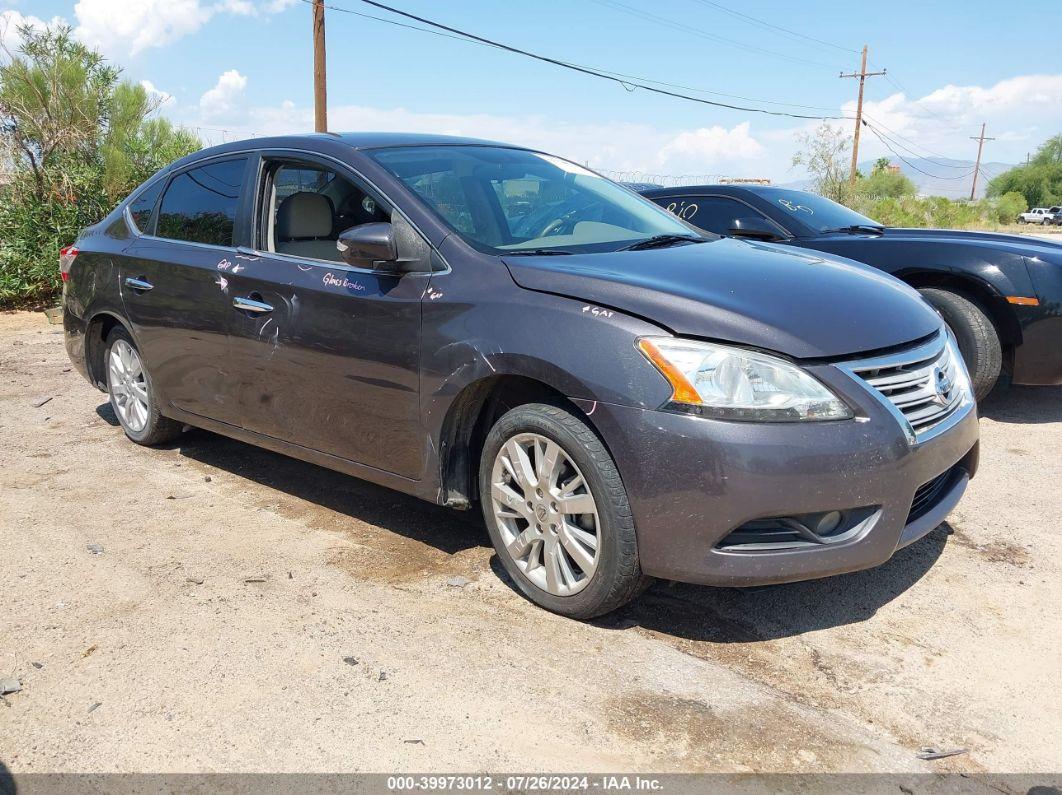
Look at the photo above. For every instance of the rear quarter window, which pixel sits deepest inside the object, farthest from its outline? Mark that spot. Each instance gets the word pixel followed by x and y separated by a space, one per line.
pixel 142 207
pixel 200 204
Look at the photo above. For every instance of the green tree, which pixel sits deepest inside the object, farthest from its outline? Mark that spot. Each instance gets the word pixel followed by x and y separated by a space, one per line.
pixel 75 139
pixel 884 184
pixel 1039 181
pixel 824 153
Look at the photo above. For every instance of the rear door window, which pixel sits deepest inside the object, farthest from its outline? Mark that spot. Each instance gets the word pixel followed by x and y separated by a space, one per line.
pixel 200 204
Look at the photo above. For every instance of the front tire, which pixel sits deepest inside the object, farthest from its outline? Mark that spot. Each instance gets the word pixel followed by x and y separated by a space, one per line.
pixel 132 395
pixel 977 337
pixel 557 512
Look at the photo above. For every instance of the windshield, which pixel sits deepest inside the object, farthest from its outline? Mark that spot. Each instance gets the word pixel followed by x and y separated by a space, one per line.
pixel 508 201
pixel 815 211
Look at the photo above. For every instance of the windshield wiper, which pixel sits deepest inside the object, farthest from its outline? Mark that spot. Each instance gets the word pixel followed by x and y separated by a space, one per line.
pixel 660 241
pixel 858 229
pixel 536 252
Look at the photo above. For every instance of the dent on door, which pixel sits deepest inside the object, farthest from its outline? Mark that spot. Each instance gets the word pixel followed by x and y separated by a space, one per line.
pixel 180 321
pixel 333 365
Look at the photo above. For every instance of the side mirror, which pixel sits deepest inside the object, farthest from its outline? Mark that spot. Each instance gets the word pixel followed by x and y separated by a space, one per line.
pixel 754 226
pixel 369 246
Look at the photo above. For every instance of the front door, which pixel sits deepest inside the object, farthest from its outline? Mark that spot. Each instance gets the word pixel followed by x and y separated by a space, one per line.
pixel 172 292
pixel 324 355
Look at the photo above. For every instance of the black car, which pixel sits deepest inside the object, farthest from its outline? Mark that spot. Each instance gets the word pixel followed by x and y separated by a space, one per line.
pixel 472 323
pixel 1000 294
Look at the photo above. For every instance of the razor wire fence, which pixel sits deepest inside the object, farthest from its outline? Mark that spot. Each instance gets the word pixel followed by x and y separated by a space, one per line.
pixel 647 178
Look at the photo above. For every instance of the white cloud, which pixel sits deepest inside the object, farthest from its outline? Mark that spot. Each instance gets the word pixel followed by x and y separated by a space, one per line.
pixel 156 95
pixel 11 21
pixel 115 26
pixel 120 27
pixel 225 97
pixel 710 148
pixel 1019 112
pixel 626 147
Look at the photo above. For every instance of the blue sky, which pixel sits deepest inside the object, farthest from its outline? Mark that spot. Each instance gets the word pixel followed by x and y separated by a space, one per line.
pixel 244 66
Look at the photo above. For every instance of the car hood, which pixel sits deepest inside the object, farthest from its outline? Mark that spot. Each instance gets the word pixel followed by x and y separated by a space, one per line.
pixel 801 304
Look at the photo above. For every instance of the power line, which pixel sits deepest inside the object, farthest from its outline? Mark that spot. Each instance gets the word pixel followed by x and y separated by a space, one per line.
pixel 908 162
pixel 629 84
pixel 687 28
pixel 908 149
pixel 772 26
pixel 912 143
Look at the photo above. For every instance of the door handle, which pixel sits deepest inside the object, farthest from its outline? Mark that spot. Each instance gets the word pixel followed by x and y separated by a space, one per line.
pixel 138 284
pixel 250 305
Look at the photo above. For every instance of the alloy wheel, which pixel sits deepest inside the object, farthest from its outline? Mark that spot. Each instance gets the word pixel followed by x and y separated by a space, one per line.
pixel 128 385
pixel 546 514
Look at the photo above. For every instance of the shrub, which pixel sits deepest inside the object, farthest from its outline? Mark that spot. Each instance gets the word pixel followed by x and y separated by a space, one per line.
pixel 76 139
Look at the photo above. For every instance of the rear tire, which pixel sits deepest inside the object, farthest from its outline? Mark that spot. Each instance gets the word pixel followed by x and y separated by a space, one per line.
pixel 523 526
pixel 132 395
pixel 977 337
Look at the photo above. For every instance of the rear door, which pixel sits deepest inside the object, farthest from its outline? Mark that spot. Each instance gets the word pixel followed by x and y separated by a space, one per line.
pixel 325 356
pixel 173 284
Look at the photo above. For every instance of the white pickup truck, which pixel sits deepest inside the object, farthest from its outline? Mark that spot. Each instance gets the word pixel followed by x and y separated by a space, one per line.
pixel 1037 215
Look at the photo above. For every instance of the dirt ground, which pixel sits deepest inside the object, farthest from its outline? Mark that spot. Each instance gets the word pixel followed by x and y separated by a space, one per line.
pixel 246 612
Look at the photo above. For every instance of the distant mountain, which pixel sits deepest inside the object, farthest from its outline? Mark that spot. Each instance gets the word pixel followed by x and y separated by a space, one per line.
pixel 943 177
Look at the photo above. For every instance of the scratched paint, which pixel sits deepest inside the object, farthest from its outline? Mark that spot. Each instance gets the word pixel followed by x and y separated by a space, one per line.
pixel 597 311
pixel 331 280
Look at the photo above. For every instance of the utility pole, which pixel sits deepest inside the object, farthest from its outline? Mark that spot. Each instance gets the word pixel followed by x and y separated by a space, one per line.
pixel 980 145
pixel 862 74
pixel 320 91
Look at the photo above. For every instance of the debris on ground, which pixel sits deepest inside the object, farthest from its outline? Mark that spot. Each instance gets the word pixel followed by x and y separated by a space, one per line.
pixel 194 580
pixel 89 650
pixel 37 665
pixel 458 582
pixel 933 753
pixel 178 496
pixel 414 742
pixel 41 401
pixel 350 660
pixel 95 706
pixel 95 549
pixel 9 685
pixel 256 578
pixel 382 677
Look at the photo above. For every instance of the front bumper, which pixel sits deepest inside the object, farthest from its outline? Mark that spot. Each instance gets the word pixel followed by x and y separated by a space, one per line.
pixel 692 481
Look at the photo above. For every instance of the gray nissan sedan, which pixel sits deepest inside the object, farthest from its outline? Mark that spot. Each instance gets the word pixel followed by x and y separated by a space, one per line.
pixel 481 325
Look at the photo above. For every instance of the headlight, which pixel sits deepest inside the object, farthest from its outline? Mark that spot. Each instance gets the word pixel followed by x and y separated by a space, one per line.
pixel 736 384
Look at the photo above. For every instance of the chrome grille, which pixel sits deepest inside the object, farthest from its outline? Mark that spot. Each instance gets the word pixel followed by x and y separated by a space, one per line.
pixel 925 385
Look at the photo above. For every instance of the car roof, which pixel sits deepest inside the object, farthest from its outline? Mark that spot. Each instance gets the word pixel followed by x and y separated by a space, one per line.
pixel 693 190
pixel 354 140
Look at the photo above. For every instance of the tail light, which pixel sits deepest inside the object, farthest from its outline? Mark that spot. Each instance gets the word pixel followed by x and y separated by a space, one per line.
pixel 67 254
